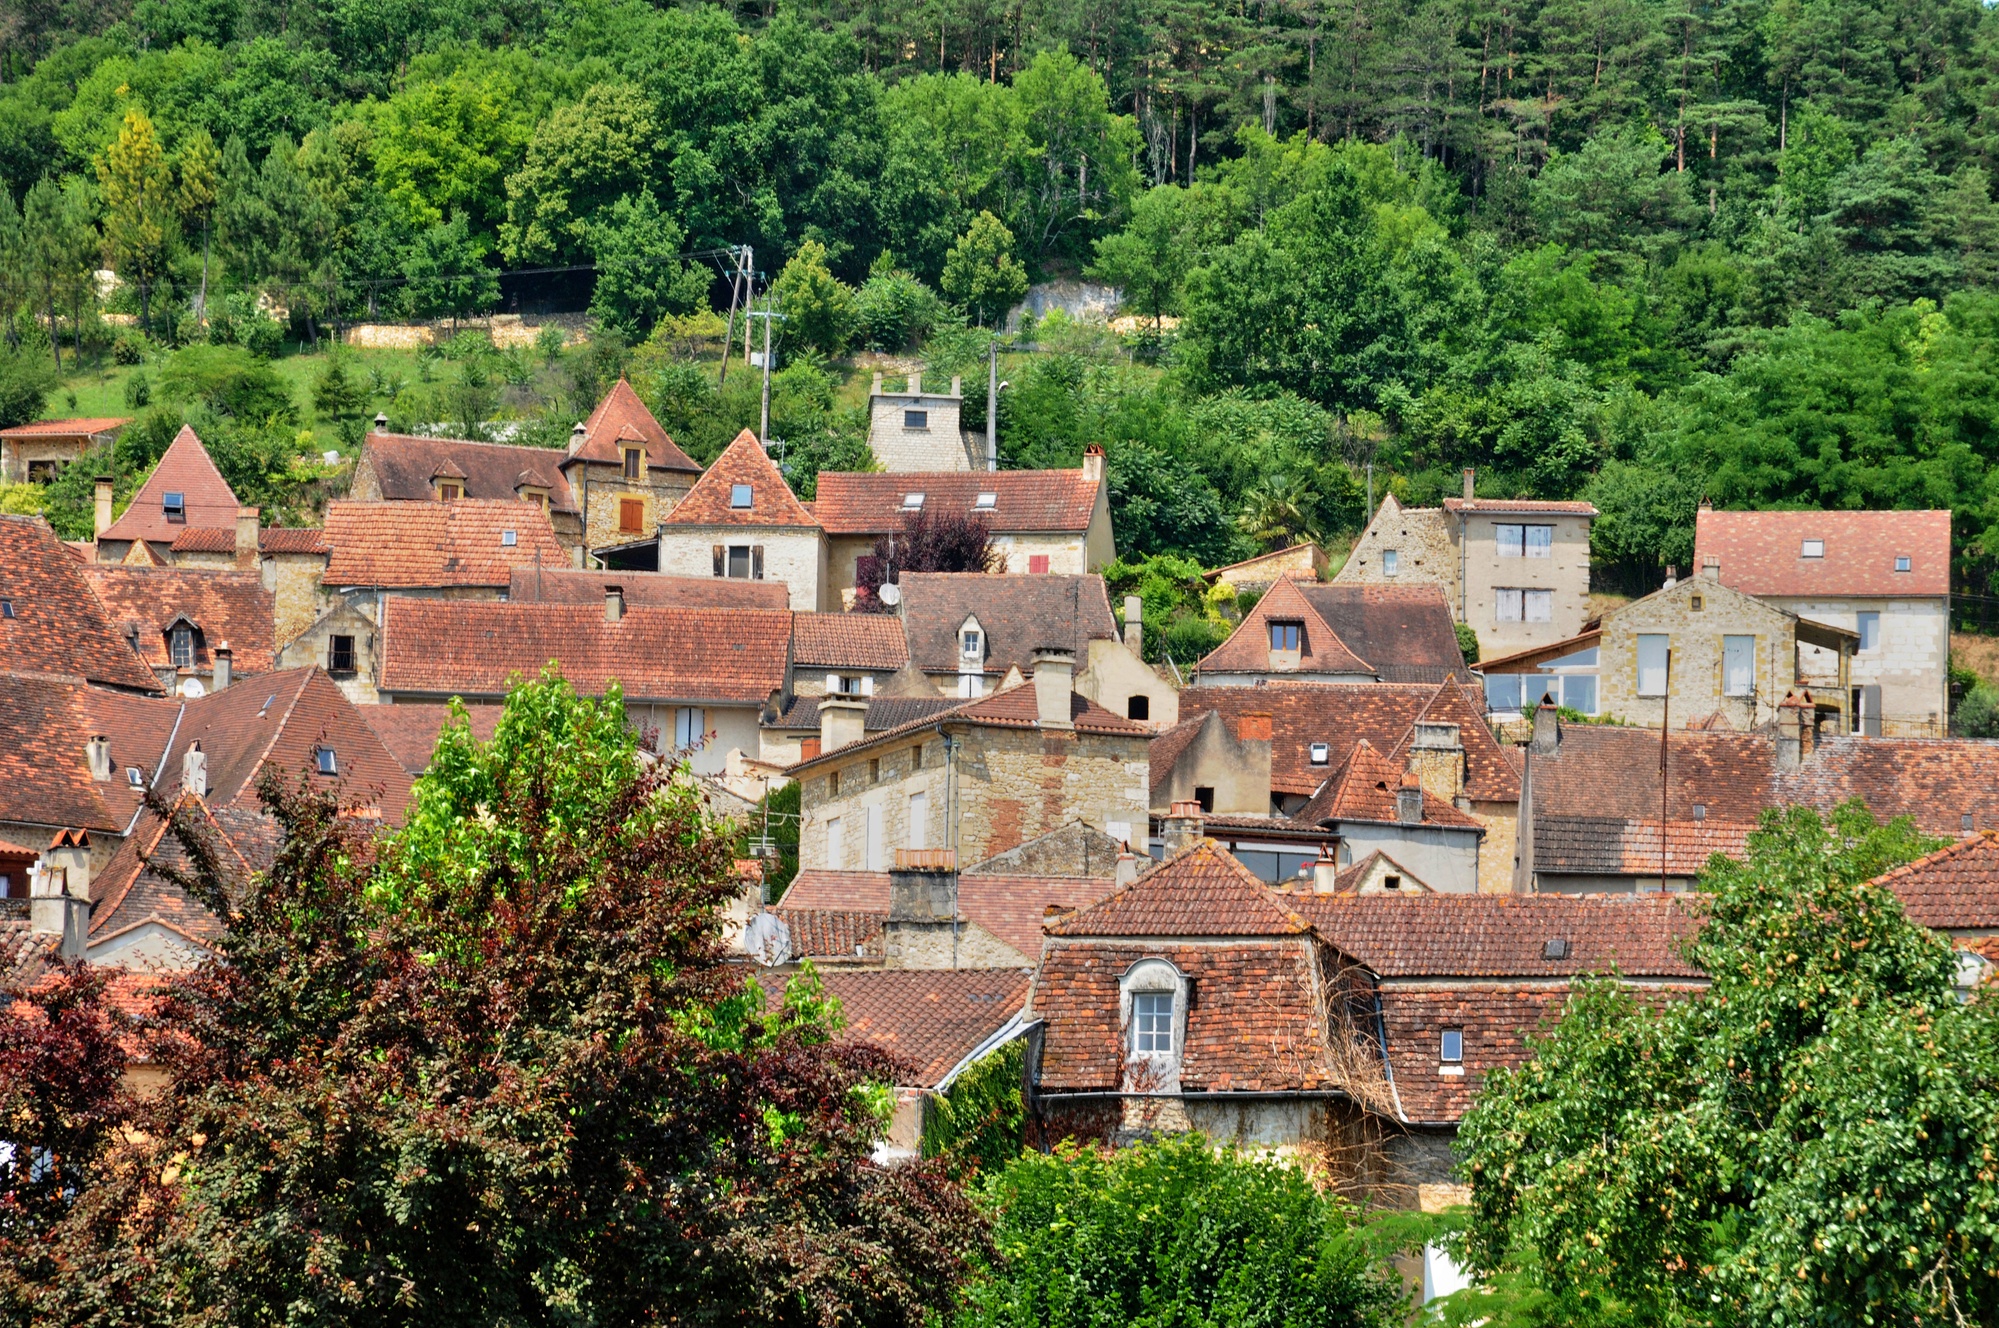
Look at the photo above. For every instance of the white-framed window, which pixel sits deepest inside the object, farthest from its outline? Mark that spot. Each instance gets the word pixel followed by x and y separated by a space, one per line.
pixel 1152 1023
pixel 745 562
pixel 1321 753
pixel 180 646
pixel 328 763
pixel 687 728
pixel 877 858
pixel 912 502
pixel 985 502
pixel 970 643
pixel 971 684
pixel 1451 1047
pixel 919 819
pixel 742 496
pixel 1524 541
pixel 509 539
pixel 1391 564
pixel 1152 999
pixel 1870 628
pixel 836 843
pixel 1652 650
pixel 1812 549
pixel 1902 562
pixel 1738 665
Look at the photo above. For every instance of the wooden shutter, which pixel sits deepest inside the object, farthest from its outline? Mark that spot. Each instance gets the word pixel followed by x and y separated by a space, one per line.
pixel 756 562
pixel 720 554
pixel 631 515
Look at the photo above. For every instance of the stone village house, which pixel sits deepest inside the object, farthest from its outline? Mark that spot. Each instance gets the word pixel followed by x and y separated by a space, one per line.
pixel 37 452
pixel 1339 633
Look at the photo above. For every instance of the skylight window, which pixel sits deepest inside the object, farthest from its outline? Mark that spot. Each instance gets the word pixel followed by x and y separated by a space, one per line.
pixel 741 496
pixel 509 539
pixel 1321 753
pixel 985 502
pixel 134 776
pixel 175 506
pixel 911 501
pixel 6 608
pixel 1902 563
pixel 1812 549
pixel 329 764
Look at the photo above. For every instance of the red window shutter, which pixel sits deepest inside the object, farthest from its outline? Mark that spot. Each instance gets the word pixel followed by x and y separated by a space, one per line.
pixel 1037 562
pixel 631 515
pixel 808 750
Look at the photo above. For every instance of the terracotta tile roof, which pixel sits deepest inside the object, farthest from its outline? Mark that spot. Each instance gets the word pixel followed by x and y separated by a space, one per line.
pixel 565 585
pixel 1496 1021
pixel 78 428
pixel 1341 714
pixel 425 545
pixel 620 410
pixel 186 470
pixel 1014 708
pixel 1524 506
pixel 57 626
pixel 410 731
pixel 1485 936
pixel 1255 1026
pixel 1320 649
pixel 474 649
pixel 292 539
pixel 871 641
pixel 1761 553
pixel 883 712
pixel 743 462
pixel 1275 555
pixel 1024 501
pixel 1011 907
pixel 226 607
pixel 1019 615
pixel 404 467
pixel 833 934
pixel 45 726
pixel 1608 846
pixel 137 885
pixel 1169 746
pixel 929 1018
pixel 206 539
pixel 1953 888
pixel 841 891
pixel 1936 782
pixel 1202 891
pixel 1398 633
pixel 1366 788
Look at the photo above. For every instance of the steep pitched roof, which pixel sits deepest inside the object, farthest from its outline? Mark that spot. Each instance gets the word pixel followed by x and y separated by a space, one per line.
pixel 187 470
pixel 405 467
pixel 423 545
pixel 619 411
pixel 230 608
pixel 1201 891
pixel 1023 501
pixel 1320 649
pixel 1020 614
pixel 45 726
pixel 1366 788
pixel 871 641
pixel 929 1018
pixel 566 585
pixel 1762 553
pixel 833 934
pixel 410 732
pixel 476 649
pixel 57 627
pixel 1014 708
pixel 1952 888
pixel 1405 632
pixel 1486 936
pixel 883 712
pixel 743 462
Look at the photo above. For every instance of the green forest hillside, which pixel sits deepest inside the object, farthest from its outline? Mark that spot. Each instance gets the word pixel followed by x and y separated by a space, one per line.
pixel 1638 251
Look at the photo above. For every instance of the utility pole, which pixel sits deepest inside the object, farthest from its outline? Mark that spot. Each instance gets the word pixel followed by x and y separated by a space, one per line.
pixel 1665 732
pixel 735 298
pixel 768 316
pixel 992 404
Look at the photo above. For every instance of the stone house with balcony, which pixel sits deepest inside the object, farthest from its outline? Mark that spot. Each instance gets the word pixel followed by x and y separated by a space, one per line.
pixel 1516 570
pixel 1882 575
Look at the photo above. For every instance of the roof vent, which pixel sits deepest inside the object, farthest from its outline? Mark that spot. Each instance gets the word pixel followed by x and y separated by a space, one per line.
pixel 1556 948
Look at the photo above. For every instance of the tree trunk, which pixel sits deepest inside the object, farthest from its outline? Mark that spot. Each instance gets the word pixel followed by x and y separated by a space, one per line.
pixel 55 333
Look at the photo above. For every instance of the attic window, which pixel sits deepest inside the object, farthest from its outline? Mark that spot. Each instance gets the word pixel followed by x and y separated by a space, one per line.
pixel 1395 883
pixel 1284 635
pixel 985 502
pixel 180 647
pixel 741 497
pixel 1812 549
pixel 328 763
pixel 634 460
pixel 968 643
pixel 1321 753
pixel 175 506
pixel 1901 562
pixel 912 501
pixel 135 777
pixel 1451 1048
pixel 509 539
pixel 1700 811
pixel 1556 948
pixel 6 608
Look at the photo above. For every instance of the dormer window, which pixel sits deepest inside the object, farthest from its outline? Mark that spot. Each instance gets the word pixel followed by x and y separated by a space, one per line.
pixel 1153 1002
pixel 1812 549
pixel 741 497
pixel 174 505
pixel 970 643
pixel 180 646
pixel 634 462
pixel 449 492
pixel 1285 635
pixel 985 502
pixel 1152 1022
pixel 509 539
pixel 912 502
pixel 326 762
pixel 1902 562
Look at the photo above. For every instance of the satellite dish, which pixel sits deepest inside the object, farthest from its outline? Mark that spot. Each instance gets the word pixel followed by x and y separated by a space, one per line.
pixel 767 940
pixel 890 594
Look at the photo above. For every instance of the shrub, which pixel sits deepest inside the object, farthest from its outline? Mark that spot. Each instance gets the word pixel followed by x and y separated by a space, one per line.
pixel 1977 714
pixel 231 380
pixel 129 348
pixel 895 311
pixel 25 381
pixel 1467 641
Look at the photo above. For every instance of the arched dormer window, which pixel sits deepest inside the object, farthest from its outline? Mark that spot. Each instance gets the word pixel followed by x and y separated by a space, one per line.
pixel 183 643
pixel 972 645
pixel 1153 997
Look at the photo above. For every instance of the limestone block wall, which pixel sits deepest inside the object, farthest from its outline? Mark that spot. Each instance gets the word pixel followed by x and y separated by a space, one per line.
pixel 732 727
pixel 1910 664
pixel 937 444
pixel 792 555
pixel 293 580
pixel 1421 539
pixel 1497 851
pixel 948 945
pixel 1067 554
pixel 1565 572
pixel 1446 860
pixel 661 492
pixel 16 457
pixel 1695 639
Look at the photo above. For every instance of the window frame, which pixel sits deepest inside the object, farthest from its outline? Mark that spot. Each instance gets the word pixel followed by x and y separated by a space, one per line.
pixel 1445 1052
pixel 1287 634
pixel 1811 548
pixel 333 653
pixel 742 497
pixel 1154 1070
pixel 1391 563
pixel 1730 686
pixel 1868 623
pixel 178 636
pixel 173 506
pixel 1904 563
pixel 326 761
pixel 916 417
pixel 1665 665
pixel 1152 1023
pixel 632 463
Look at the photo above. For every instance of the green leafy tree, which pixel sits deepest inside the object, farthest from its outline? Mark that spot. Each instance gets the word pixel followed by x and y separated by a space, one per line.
pixel 818 309
pixel 228 380
pixel 1145 258
pixel 140 210
pixel 1804 1140
pixel 582 159
pixel 447 272
pixel 641 276
pixel 57 243
pixel 981 273
pixel 893 310
pixel 25 383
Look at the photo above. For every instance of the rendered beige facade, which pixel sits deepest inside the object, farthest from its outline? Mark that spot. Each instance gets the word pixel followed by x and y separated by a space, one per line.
pixel 792 554
pixel 1904 652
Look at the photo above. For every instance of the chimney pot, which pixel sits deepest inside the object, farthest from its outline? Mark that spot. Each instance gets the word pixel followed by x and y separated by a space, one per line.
pixel 1183 827
pixel 614 603
pixel 225 661
pixel 1325 872
pixel 1093 463
pixel 103 503
pixel 98 752
pixel 1711 567
pixel 1134 624
pixel 876 390
pixel 1054 676
pixel 916 383
pixel 957 385
pixel 1469 475
pixel 1672 577
pixel 1127 866
pixel 1409 801
pixel 194 772
pixel 381 419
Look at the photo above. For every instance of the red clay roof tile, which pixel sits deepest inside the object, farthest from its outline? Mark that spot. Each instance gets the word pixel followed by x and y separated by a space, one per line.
pixel 1024 501
pixel 871 641
pixel 231 608
pixel 619 411
pixel 50 621
pixel 744 463
pixel 427 545
pixel 187 470
pixel 405 465
pixel 1762 553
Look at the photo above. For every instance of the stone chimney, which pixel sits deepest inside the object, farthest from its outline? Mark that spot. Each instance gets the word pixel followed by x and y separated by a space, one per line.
pixel 225 661
pixel 98 752
pixel 103 505
pixel 69 852
pixel 921 930
pixel 1797 730
pixel 957 386
pixel 1710 567
pixel 246 538
pixel 1093 463
pixel 1325 872
pixel 577 437
pixel 1134 624
pixel 1470 474
pixel 194 771
pixel 1183 826
pixel 614 603
pixel 1409 801
pixel 1547 739
pixel 57 904
pixel 1127 867
pixel 916 383
pixel 1054 677
pixel 841 723
pixel 1437 759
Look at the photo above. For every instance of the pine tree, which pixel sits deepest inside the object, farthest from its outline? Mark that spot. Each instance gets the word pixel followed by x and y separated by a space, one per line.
pixel 139 207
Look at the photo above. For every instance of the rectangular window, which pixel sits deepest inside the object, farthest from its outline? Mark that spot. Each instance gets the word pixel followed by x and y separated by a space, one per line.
pixel 174 505
pixel 739 561
pixel 742 496
pixel 836 844
pixel 971 684
pixel 1902 562
pixel 1452 1048
pixel 687 728
pixel 633 461
pixel 912 502
pixel 329 763
pixel 1652 648
pixel 915 419
pixel 919 819
pixel 1812 549
pixel 1540 541
pixel 180 647
pixel 1138 707
pixel 1870 629
pixel 1509 540
pixel 1322 752
pixel 985 502
pixel 510 539
pixel 41 472
pixel 756 562
pixel 449 493
pixel 968 645
pixel 1390 563
pixel 916 757
pixel 1738 665
pixel 1537 605
pixel 1502 692
pixel 1152 1023
pixel 1506 605
pixel 877 860
pixel 1284 635
pixel 339 654
pixel 631 515
pixel 1579 692
pixel 1037 564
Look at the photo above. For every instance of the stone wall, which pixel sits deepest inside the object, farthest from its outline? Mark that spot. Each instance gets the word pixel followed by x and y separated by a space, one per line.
pixel 16 456
pixel 936 945
pixel 792 555
pixel 660 492
pixel 1421 539
pixel 1910 664
pixel 1447 859
pixel 1113 675
pixel 1565 572
pixel 1695 638
pixel 293 580
pixel 1496 852
pixel 938 444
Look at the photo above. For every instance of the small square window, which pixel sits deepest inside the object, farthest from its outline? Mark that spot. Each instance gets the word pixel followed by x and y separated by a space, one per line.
pixel 916 419
pixel 329 764
pixel 175 506
pixel 1284 635
pixel 741 497
pixel 1902 562
pixel 1696 603
pixel 509 539
pixel 969 644
pixel 1812 549
pixel 339 654
pixel 1138 707
pixel 1452 1050
pixel 985 502
pixel 1322 753
pixel 912 501
pixel 450 493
